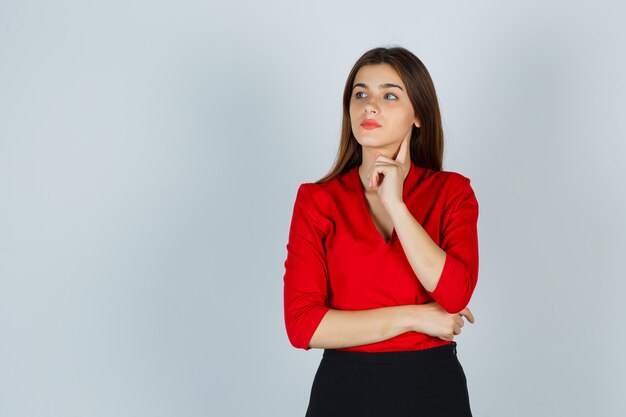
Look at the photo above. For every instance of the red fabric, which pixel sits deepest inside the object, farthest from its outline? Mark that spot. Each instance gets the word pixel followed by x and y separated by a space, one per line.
pixel 336 258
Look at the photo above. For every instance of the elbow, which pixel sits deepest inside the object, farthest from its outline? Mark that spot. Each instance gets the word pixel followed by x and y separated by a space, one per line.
pixel 300 327
pixel 456 286
pixel 457 299
pixel 454 306
pixel 296 333
pixel 296 341
pixel 297 336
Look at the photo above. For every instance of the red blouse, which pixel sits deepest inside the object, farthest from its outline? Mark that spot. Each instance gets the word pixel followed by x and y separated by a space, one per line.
pixel 337 258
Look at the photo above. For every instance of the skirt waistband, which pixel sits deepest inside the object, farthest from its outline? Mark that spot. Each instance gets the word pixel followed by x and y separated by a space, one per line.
pixel 403 356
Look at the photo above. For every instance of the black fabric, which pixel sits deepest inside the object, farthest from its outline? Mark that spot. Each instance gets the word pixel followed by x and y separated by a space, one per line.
pixel 421 383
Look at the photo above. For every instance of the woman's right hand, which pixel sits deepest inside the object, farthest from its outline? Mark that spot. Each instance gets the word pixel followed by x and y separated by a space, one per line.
pixel 433 320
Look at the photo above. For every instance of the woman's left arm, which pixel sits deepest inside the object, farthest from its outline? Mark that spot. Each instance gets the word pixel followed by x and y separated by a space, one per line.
pixel 450 272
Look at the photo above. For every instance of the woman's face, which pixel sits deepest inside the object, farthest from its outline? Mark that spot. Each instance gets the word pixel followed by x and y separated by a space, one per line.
pixel 379 94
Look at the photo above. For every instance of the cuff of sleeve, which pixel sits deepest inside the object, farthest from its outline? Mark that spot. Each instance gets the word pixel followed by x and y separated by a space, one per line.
pixel 315 317
pixel 446 286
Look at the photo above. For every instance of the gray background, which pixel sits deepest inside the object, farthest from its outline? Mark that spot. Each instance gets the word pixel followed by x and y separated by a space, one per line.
pixel 150 153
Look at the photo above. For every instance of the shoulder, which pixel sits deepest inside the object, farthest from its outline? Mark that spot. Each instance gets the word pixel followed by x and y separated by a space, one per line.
pixel 311 194
pixel 451 186
pixel 322 200
pixel 448 181
pixel 460 192
pixel 447 178
pixel 455 181
pixel 324 195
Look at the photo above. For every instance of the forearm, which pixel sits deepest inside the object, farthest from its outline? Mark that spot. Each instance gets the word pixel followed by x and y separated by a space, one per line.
pixel 348 328
pixel 425 256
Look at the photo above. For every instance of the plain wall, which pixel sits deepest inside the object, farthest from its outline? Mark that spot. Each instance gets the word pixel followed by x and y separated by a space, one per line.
pixel 150 154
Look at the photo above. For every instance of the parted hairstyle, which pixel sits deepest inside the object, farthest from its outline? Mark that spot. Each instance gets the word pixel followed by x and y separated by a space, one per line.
pixel 426 142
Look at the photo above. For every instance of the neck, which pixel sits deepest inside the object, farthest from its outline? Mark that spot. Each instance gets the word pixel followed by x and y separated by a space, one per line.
pixel 369 157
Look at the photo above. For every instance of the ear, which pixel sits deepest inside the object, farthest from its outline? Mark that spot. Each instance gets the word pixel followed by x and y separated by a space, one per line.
pixel 416 122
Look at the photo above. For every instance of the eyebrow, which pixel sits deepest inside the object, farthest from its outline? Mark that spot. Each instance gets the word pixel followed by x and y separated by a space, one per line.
pixel 386 85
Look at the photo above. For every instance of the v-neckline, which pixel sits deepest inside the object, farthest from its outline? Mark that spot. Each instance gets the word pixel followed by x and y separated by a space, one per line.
pixel 363 203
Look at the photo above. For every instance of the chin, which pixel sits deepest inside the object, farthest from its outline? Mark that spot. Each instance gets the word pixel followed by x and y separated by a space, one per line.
pixel 373 142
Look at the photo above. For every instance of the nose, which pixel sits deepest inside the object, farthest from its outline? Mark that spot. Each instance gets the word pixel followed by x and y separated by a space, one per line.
pixel 369 108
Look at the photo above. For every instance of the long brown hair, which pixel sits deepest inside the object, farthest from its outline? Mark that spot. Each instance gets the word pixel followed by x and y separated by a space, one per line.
pixel 426 142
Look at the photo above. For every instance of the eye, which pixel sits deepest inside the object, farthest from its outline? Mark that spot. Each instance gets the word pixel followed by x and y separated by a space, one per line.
pixel 393 96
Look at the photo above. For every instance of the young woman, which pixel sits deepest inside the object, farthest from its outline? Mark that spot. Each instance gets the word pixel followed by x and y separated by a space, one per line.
pixel 382 257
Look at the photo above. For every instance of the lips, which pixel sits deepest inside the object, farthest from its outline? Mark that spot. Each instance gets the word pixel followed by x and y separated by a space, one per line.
pixel 370 124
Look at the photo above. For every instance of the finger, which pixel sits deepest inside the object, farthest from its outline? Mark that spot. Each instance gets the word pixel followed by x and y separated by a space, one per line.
pixel 381 157
pixel 381 166
pixel 464 313
pixel 378 170
pixel 371 173
pixel 380 163
pixel 370 176
pixel 403 152
pixel 469 315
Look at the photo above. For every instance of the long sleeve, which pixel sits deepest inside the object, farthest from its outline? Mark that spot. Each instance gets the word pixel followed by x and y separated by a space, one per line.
pixel 306 271
pixel 460 242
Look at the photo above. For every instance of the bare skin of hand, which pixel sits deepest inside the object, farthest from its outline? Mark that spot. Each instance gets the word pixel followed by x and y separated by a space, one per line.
pixel 393 171
pixel 437 322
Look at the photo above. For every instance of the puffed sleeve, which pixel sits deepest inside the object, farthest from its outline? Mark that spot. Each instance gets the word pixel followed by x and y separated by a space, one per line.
pixel 306 272
pixel 460 242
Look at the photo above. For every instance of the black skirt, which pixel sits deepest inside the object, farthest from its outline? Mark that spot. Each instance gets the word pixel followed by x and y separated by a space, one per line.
pixel 429 383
